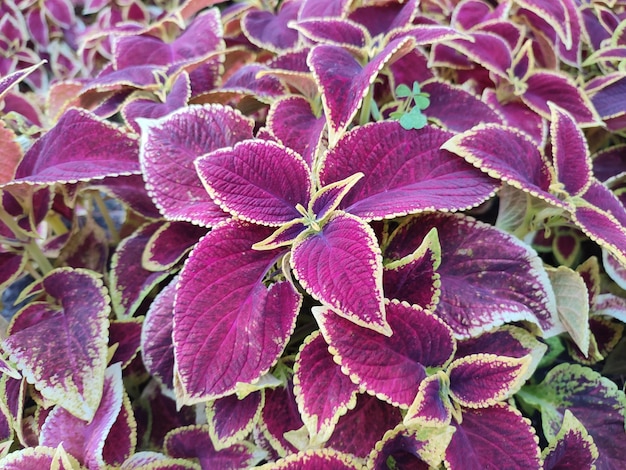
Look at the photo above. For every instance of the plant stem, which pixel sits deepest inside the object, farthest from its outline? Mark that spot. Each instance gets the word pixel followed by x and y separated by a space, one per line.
pixel 364 116
pixel 115 236
pixel 37 255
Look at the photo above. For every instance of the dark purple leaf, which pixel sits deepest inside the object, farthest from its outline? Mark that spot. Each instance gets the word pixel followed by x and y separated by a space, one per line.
pixel 314 460
pixel 573 447
pixel 245 80
pixel 231 419
pixel 391 367
pixel 405 172
pixel 432 405
pixel 229 327
pixel 386 16
pixel 169 244
pixel 271 31
pixel 125 336
pixel 16 77
pixel 336 31
pixel 603 228
pixel 279 416
pixel 486 49
pixel 37 457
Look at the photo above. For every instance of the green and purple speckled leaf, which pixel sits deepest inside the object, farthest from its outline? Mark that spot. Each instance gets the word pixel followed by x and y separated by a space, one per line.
pixel 60 346
pixel 231 419
pixel 341 266
pixel 405 172
pixel 390 367
pixel 344 82
pixel 480 289
pixel 87 441
pixel 481 380
pixel 229 327
pixel 194 442
pixel 80 147
pixel 258 181
pixel 594 400
pixel 322 391
pixel 494 437
pixel 315 460
pixel 169 147
pixel 573 447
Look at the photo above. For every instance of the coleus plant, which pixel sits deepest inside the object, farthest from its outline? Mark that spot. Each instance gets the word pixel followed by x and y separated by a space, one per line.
pixel 309 234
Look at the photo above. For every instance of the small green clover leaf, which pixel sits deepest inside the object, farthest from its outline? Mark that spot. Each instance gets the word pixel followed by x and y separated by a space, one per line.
pixel 414 119
pixel 411 104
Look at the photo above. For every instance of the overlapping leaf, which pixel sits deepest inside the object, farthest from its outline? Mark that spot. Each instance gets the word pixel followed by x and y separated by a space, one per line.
pixel 572 447
pixel 230 419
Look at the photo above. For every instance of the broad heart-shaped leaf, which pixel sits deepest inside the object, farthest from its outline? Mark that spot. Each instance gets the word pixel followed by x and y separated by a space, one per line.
pixel 390 367
pixel 258 181
pixel 231 419
pixel 157 349
pixel 314 460
pixel 494 437
pixel 292 121
pixel 594 400
pixel 573 447
pixel 322 391
pixel 344 82
pixel 86 441
pixel 410 447
pixel 61 346
pixel 228 326
pixel 80 147
pixel 130 282
pixel 481 380
pixel 350 434
pixel 405 172
pixel 38 457
pixel 480 289
pixel 271 31
pixel 507 154
pixel 570 155
pixel 194 442
pixel 341 266
pixel 169 147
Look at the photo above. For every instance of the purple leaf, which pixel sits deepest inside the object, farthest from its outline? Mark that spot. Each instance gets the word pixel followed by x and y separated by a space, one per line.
pixel 271 31
pixel 344 82
pixel 606 230
pixel 425 34
pixel 481 380
pixel 329 9
pixel 279 416
pixel 80 147
pixel 16 77
pixel 609 162
pixel 572 448
pixel 37 457
pixel 341 266
pixel 169 147
pixel 494 437
pixel 157 461
pixel 351 435
pixel 511 285
pixel 125 336
pixel 405 172
pixel 86 440
pixel 258 181
pixel 169 244
pixel 322 391
pixel 231 419
pixel 61 12
pixel 390 367
pixel 245 80
pixel 314 460
pixel 12 267
pixel 131 191
pixel 486 49
pixel 327 199
pixel 43 340
pixel 228 326
pixel 381 18
pixel 194 442
pixel 507 154
pixel 608 98
pixel 130 282
pixel 554 13
pixel 335 31
pixel 432 405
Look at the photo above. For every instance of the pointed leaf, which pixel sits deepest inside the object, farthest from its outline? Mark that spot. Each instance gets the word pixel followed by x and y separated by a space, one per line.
pixel 258 181
pixel 432 405
pixel 228 326
pixel 405 172
pixel 44 340
pixel 314 459
pixel 147 460
pixel 10 154
pixel 169 147
pixel 279 416
pixel 125 337
pixel 573 447
pixel 231 419
pixel 327 199
pixel 481 289
pixel 322 391
pixel 342 267
pixel 269 30
pixel 494 437
pixel 390 367
pixel 16 77
pixel 335 31
pixel 33 457
pixel 604 229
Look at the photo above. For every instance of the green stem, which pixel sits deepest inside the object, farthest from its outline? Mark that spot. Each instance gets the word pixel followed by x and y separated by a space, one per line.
pixel 364 116
pixel 115 236
pixel 37 255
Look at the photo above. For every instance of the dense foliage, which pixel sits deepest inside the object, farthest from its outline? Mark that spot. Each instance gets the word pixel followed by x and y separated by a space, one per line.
pixel 311 234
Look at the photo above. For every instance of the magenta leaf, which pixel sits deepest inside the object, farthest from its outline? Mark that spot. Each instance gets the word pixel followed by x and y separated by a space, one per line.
pixel 322 391
pixel 335 31
pixel 243 182
pixel 314 460
pixel 157 349
pixel 169 147
pixel 279 416
pixel 603 228
pixel 405 172
pixel 352 437
pixel 86 440
pixel 245 80
pixel 12 79
pixel 130 282
pixel 231 419
pixel 432 405
pixel 344 82
pixel 38 457
pixel 43 340
pixel 511 285
pixel 194 442
pixel 156 461
pixel 229 327
pixel 481 380
pixel 390 367
pixel 573 447
pixel 124 336
pixel 80 147
pixel 494 437
pixel 341 266
pixel 380 18
pixel 486 49
pixel 594 400
pixel 131 191
pixel 271 31
pixel 169 244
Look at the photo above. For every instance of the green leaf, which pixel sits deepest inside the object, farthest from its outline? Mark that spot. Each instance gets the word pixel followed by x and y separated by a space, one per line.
pixel 421 101
pixel 413 120
pixel 403 91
